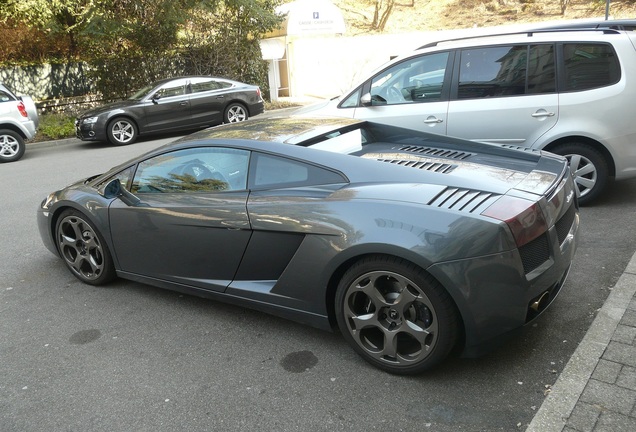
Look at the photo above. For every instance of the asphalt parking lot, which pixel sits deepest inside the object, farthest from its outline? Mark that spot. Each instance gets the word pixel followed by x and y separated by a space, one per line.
pixel 130 357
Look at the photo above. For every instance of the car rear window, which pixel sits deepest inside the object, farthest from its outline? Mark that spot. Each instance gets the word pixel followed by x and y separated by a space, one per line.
pixel 590 65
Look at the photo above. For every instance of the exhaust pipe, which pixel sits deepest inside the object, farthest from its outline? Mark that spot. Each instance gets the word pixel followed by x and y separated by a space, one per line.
pixel 537 304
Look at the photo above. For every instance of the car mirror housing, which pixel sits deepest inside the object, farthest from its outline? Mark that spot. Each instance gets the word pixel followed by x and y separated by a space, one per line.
pixel 114 189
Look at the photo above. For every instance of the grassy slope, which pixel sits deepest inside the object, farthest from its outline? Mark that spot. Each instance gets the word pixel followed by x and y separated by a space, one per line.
pixel 452 14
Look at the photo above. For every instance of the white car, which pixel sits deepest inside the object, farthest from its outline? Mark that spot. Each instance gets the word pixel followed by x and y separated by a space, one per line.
pixel 18 122
pixel 570 92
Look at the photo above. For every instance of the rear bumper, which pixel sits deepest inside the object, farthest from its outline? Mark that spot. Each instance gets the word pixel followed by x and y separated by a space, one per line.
pixel 496 297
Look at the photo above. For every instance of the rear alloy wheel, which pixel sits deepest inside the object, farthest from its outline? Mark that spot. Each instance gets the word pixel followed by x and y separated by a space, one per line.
pixel 235 113
pixel 12 146
pixel 395 315
pixel 83 250
pixel 122 131
pixel 589 169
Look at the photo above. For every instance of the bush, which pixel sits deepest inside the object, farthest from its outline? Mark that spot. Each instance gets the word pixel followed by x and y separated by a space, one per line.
pixel 55 126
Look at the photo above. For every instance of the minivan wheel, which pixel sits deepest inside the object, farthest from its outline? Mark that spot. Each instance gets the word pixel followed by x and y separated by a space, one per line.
pixel 395 315
pixel 12 146
pixel 589 169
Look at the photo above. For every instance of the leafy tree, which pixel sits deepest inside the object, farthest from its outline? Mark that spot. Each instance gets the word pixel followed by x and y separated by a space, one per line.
pixel 64 19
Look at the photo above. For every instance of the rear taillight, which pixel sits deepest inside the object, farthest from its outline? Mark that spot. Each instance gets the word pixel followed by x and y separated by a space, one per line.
pixel 258 92
pixel 524 218
pixel 22 109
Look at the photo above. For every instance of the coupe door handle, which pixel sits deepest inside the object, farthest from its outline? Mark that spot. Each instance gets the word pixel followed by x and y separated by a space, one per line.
pixel 542 113
pixel 433 120
pixel 183 103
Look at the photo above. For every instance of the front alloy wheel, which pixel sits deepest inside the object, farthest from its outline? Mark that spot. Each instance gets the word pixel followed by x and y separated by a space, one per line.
pixel 395 316
pixel 83 250
pixel 122 131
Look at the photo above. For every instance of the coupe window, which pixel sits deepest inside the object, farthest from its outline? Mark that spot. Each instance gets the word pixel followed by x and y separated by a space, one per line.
pixel 276 172
pixel 169 91
pixel 193 171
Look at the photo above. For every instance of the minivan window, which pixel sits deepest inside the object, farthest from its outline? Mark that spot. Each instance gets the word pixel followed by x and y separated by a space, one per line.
pixel 508 70
pixel 589 65
pixel 416 80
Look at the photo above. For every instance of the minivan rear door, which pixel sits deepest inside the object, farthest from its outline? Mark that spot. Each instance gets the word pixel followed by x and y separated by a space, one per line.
pixel 504 94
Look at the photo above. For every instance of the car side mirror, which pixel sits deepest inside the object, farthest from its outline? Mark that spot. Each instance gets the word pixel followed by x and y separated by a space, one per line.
pixel 114 189
pixel 155 97
pixel 368 100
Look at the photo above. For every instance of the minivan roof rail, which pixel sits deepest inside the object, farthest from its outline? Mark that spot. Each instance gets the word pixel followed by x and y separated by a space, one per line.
pixel 520 32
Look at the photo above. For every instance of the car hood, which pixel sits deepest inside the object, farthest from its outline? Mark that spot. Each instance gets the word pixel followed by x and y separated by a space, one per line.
pixel 108 107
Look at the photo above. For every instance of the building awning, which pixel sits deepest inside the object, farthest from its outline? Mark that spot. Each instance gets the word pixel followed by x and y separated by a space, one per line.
pixel 309 17
pixel 273 48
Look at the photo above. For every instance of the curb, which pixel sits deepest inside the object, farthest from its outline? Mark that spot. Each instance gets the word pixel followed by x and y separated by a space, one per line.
pixel 558 406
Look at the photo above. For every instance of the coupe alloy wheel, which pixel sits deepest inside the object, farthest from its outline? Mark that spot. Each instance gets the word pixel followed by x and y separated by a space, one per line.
pixel 82 249
pixel 394 322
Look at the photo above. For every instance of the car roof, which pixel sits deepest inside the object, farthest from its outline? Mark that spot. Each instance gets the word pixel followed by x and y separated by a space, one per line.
pixel 283 129
pixel 539 33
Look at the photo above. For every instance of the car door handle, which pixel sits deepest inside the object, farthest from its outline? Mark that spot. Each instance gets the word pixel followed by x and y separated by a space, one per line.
pixel 542 113
pixel 432 120
pixel 220 97
pixel 183 103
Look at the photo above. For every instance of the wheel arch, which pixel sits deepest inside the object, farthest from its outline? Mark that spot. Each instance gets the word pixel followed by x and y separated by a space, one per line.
pixel 342 267
pixel 126 116
pixel 93 219
pixel 596 145
pixel 239 102
pixel 14 128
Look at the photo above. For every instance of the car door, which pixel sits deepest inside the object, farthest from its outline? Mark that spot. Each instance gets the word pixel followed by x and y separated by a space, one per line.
pixel 207 100
pixel 287 210
pixel 168 108
pixel 504 94
pixel 190 225
pixel 413 93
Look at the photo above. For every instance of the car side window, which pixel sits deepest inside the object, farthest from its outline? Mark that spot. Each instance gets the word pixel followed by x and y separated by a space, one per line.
pixel 589 65
pixel 197 170
pixel 277 172
pixel 417 80
pixel 5 97
pixel 509 70
pixel 169 91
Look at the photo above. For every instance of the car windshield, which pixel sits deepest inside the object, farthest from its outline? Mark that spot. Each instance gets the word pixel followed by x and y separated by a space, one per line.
pixel 140 94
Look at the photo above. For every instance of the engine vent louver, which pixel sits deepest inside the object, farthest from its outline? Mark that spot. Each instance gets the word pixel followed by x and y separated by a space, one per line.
pixel 442 153
pixel 520 148
pixel 465 200
pixel 424 165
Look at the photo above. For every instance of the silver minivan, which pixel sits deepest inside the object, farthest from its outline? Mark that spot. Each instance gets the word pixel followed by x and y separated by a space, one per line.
pixel 570 92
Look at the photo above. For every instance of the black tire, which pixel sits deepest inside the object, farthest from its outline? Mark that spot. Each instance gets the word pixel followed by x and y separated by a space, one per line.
pixel 234 113
pixel 589 168
pixel 395 315
pixel 122 131
pixel 12 146
pixel 83 249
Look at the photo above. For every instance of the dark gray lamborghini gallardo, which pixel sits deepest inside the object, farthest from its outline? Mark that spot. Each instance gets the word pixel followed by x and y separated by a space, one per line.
pixel 410 244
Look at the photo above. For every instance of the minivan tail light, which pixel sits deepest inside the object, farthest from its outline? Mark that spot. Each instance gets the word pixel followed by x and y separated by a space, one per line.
pixel 524 218
pixel 22 109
